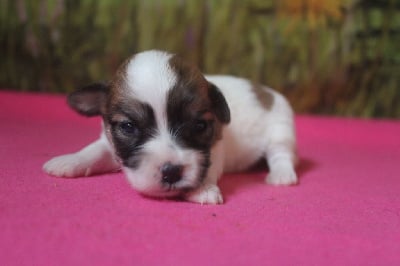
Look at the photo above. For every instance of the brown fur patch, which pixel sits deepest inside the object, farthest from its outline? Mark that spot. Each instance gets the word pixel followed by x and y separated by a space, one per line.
pixel 189 100
pixel 264 97
pixel 118 84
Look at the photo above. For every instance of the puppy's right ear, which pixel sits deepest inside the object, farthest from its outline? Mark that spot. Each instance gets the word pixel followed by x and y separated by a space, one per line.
pixel 90 100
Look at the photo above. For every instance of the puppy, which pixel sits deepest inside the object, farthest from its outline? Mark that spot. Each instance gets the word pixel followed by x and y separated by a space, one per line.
pixel 173 131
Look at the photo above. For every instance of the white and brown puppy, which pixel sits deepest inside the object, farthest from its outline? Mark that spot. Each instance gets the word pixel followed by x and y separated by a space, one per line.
pixel 174 131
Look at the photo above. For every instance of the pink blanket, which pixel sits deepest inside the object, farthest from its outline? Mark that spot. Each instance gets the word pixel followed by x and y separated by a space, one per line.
pixel 346 210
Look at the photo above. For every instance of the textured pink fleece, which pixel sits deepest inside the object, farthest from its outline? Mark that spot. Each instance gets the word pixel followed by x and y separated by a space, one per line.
pixel 346 210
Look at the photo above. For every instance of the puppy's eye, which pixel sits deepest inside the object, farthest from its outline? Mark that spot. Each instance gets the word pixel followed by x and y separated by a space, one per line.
pixel 200 126
pixel 128 128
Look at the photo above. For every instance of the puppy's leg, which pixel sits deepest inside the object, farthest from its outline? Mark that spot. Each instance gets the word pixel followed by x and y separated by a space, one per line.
pixel 281 161
pixel 95 158
pixel 281 154
pixel 209 192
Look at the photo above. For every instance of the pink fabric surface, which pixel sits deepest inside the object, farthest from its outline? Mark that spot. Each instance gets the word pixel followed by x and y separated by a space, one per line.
pixel 346 210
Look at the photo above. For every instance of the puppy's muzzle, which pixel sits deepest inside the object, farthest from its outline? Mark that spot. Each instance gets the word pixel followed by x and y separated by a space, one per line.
pixel 171 173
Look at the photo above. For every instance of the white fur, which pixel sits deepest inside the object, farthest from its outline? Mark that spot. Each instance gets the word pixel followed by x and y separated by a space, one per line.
pixel 150 78
pixel 253 133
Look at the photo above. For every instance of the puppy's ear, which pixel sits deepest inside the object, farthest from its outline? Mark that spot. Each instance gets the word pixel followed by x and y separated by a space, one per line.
pixel 218 104
pixel 90 100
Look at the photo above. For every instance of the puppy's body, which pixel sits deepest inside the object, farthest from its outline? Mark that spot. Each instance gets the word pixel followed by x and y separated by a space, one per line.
pixel 261 119
pixel 174 131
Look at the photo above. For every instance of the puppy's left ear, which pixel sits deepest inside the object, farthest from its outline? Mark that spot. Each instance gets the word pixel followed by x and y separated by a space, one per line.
pixel 90 100
pixel 218 104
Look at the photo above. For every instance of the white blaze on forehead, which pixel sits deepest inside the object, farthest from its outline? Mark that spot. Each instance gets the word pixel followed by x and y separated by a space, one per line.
pixel 149 78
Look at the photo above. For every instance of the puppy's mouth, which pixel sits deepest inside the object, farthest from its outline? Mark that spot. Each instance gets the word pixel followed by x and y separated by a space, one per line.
pixel 169 182
pixel 177 189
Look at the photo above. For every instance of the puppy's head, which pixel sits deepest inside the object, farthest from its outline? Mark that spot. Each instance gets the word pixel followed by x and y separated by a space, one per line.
pixel 162 117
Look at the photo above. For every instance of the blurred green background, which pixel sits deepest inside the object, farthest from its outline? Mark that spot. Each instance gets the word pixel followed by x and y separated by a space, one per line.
pixel 338 57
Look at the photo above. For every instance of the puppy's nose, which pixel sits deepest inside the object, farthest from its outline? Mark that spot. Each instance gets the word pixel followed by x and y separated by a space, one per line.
pixel 171 173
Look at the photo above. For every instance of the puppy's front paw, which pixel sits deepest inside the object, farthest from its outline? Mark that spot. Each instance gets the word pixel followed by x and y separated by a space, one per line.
pixel 206 194
pixel 69 165
pixel 283 176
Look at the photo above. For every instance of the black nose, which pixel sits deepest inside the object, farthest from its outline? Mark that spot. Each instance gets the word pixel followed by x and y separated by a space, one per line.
pixel 171 173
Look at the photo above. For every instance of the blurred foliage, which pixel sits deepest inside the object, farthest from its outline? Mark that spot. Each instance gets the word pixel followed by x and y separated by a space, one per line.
pixel 329 57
